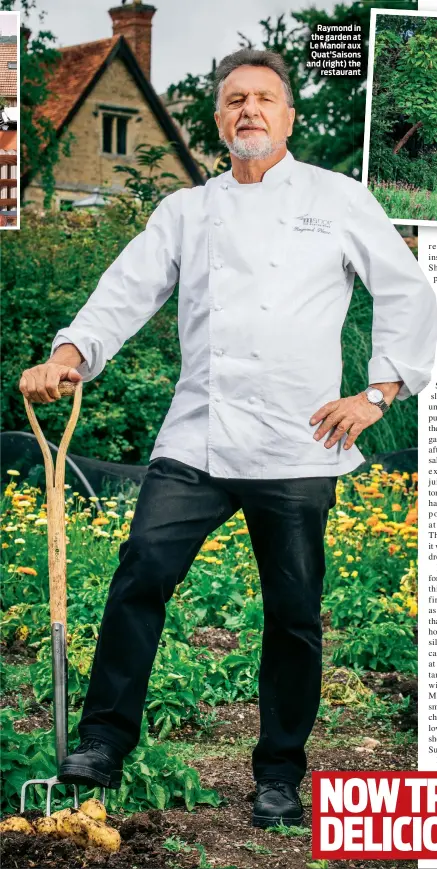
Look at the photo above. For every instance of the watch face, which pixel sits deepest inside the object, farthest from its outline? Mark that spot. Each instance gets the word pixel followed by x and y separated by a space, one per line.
pixel 374 395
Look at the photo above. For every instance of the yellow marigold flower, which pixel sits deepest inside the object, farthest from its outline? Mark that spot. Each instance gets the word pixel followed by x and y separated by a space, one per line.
pixel 359 508
pixel 414 476
pixel 337 553
pixel 240 515
pixel 412 545
pixel 230 523
pixel 28 570
pixel 117 533
pixel 250 592
pixel 5 545
pixel 345 573
pixel 13 473
pixel 112 514
pixel 212 544
pixel 350 558
pixel 241 531
pixel 372 520
pixel 396 508
pixel 405 476
pixel 354 573
pixel 377 467
pixel 411 516
pixel 31 515
pixel 330 540
pixel 41 521
pixel 19 540
pixel 101 520
pixel 129 514
pixel 211 559
pixel 376 509
pixel 110 503
pixel 224 537
pixel 92 498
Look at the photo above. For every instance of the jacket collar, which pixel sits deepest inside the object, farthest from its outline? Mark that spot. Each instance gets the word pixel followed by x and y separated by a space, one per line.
pixel 282 171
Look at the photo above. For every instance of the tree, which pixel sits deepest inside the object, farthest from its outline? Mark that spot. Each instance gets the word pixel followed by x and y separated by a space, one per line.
pixel 330 110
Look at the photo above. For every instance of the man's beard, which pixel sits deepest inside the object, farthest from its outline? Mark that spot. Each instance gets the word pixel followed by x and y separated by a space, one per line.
pixel 256 148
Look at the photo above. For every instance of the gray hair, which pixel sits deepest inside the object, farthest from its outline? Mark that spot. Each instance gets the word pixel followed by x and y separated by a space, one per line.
pixel 251 57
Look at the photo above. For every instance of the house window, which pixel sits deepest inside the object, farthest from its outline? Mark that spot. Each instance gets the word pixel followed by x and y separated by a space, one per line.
pixel 121 135
pixel 12 64
pixel 107 133
pixel 119 146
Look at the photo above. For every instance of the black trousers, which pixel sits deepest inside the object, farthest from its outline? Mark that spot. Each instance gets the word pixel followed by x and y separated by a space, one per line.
pixel 177 508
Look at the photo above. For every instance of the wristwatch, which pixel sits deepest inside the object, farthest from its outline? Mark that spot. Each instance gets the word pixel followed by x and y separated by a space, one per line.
pixel 376 396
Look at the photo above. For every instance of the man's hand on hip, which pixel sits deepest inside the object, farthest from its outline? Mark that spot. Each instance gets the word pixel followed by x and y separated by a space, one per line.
pixel 352 414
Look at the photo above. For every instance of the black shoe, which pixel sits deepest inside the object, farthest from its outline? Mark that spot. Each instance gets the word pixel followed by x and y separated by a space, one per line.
pixel 277 801
pixel 93 763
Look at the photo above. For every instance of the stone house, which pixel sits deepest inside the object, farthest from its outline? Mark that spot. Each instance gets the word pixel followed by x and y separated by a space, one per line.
pixel 101 92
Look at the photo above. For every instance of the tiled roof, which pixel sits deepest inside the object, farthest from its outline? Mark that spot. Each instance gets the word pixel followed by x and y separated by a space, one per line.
pixel 74 72
pixel 8 77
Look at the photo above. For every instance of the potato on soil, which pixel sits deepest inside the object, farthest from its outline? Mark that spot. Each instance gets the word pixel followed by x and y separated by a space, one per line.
pixel 46 827
pixel 16 824
pixel 62 819
pixel 83 830
pixel 99 835
pixel 94 809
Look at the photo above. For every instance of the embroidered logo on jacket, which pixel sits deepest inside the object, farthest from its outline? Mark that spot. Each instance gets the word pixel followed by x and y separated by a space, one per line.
pixel 313 224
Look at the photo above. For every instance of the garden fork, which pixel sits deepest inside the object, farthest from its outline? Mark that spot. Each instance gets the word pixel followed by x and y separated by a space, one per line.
pixel 56 540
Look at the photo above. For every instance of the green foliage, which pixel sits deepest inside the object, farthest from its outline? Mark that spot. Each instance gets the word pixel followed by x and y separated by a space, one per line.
pixel 54 270
pixel 149 188
pixel 378 646
pixel 403 139
pixel 153 778
pixel 329 127
pixel 406 200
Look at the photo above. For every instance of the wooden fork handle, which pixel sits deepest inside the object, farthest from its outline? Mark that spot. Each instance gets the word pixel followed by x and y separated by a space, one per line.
pixel 55 479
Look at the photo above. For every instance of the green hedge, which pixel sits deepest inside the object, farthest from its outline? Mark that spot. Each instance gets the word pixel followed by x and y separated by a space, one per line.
pixel 52 266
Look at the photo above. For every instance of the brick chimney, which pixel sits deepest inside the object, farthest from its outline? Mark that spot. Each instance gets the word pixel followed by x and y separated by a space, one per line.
pixel 134 22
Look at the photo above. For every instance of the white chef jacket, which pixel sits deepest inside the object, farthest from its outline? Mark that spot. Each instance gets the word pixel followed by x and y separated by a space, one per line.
pixel 265 273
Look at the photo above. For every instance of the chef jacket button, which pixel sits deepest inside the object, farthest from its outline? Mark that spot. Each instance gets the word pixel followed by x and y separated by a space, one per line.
pixel 218 222
pixel 218 398
pixel 264 306
pixel 225 186
pixel 274 262
pixel 218 308
pixel 218 265
pixel 290 180
pixel 282 220
pixel 252 399
pixel 255 353
pixel 218 351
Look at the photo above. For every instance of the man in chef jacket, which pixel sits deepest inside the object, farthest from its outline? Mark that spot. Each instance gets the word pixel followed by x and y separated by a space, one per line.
pixel 265 256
